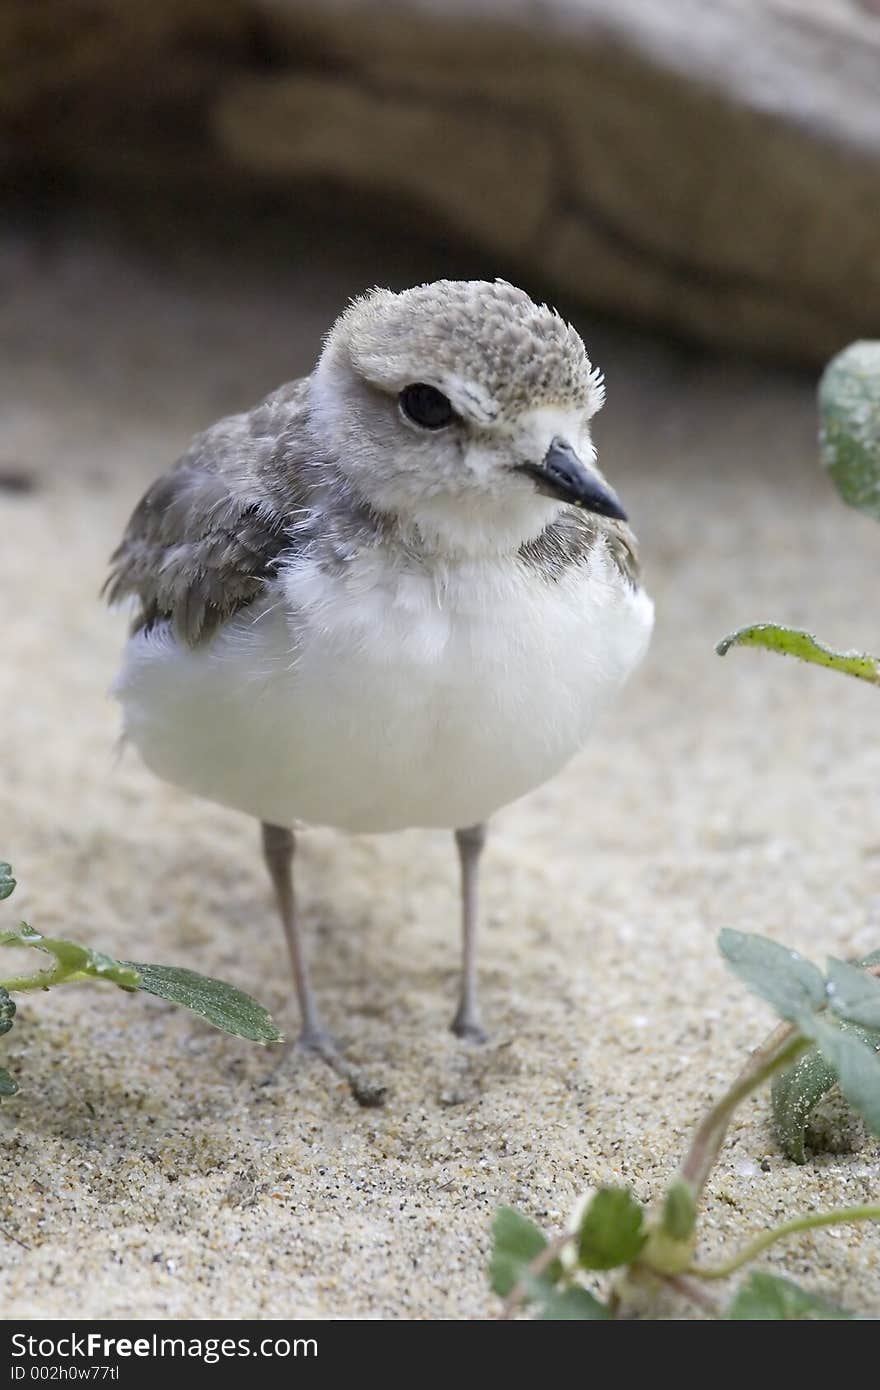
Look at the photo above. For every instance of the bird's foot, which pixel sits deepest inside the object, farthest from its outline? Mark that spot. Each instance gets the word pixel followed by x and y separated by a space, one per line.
pixel 467 1025
pixel 314 1038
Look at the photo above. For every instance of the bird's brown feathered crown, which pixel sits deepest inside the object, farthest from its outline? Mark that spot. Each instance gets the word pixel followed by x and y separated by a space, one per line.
pixel 506 351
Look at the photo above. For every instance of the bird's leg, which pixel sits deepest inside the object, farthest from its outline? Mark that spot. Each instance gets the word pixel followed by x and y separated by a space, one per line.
pixel 467 1022
pixel 278 847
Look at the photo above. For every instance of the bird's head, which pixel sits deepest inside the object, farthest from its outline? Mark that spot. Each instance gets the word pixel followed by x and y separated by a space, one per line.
pixel 463 409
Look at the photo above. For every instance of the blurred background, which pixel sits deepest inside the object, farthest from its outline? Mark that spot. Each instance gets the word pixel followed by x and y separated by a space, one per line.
pixel 708 170
pixel 191 190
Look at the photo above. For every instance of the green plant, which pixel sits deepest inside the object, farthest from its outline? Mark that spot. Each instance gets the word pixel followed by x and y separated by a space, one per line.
pixel 220 1004
pixel 849 444
pixel 822 1016
pixel 849 447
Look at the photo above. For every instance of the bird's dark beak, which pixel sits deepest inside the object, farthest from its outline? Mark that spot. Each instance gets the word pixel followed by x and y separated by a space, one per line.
pixel 563 475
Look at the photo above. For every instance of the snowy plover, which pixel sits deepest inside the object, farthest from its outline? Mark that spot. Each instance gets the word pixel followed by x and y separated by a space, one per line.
pixel 393 594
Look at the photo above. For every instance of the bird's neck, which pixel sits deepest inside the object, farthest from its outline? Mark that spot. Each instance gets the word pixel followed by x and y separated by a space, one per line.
pixel 474 528
pixel 444 526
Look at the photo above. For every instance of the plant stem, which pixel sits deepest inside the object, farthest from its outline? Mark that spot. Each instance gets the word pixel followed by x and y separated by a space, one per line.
pixel 551 1251
pixel 799 1223
pixel 688 1289
pixel 784 1044
pixel 44 979
pixel 12 1236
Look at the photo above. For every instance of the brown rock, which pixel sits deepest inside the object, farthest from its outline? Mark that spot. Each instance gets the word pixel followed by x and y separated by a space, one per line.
pixel 714 170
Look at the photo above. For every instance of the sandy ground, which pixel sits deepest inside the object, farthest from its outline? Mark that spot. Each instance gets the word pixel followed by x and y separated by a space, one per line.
pixel 154 1168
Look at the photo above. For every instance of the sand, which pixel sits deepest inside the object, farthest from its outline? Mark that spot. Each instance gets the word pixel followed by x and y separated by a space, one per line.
pixel 154 1168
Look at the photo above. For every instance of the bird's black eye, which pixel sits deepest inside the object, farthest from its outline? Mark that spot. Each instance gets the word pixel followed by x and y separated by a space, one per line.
pixel 426 406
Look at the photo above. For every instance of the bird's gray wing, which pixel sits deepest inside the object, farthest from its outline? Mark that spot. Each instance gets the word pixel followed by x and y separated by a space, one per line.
pixel 205 538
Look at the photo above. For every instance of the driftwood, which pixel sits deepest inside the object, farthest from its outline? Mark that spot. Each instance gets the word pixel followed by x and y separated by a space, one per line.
pixel 713 169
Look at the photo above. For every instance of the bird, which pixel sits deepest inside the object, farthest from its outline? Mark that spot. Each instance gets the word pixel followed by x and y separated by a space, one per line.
pixel 394 594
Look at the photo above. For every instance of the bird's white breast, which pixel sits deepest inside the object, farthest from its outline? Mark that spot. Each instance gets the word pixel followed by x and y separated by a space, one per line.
pixel 381 696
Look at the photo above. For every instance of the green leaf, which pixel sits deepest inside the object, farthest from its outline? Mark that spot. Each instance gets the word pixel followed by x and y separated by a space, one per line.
pixel 7 1011
pixel 21 935
pixel 7 882
pixel 221 1004
pixel 784 978
pixel 679 1215
pixel 849 420
pixel 797 1091
pixel 857 1068
pixel 8 1085
pixel 571 1305
pixel 611 1232
pixel 516 1241
pixel 792 641
pixel 794 1096
pixel 769 1298
pixel 73 961
pixel 853 993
